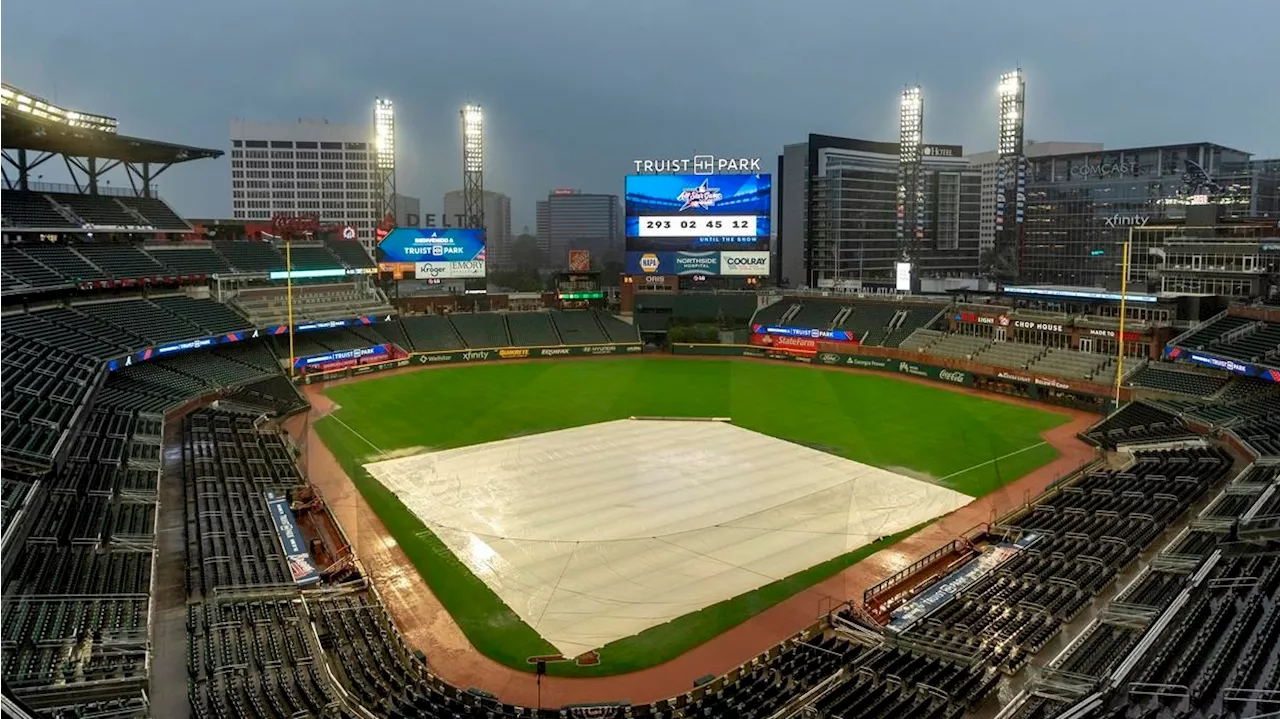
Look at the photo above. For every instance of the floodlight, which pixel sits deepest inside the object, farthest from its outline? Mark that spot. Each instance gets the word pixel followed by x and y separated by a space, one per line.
pixel 473 138
pixel 384 125
pixel 42 109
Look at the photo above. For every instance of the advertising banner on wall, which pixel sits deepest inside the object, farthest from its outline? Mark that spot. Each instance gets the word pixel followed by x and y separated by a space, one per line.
pixel 802 345
pixel 579 260
pixel 439 253
pixel 651 263
pixel 697 263
pixel 744 264
pixel 790 331
pixel 1209 359
pixel 301 566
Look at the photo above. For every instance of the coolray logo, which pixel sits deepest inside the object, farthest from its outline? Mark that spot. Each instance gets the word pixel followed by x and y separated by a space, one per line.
pixel 649 262
pixel 556 352
pixel 747 261
pixel 1118 220
pixel 702 197
pixel 472 355
pixel 600 350
pixel 829 358
pixel 947 375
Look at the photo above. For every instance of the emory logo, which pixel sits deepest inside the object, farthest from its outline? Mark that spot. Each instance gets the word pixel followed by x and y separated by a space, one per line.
pixel 649 262
pixel 950 376
pixel 1118 220
pixel 702 197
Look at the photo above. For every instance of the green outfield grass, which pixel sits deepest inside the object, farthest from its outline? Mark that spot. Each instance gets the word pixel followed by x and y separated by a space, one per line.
pixel 880 420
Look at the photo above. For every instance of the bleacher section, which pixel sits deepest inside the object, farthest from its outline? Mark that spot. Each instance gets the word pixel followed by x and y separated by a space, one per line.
pixel 1015 355
pixel 70 211
pixel 64 260
pixel 1137 422
pixel 481 329
pixel 428 333
pixel 181 260
pixel 873 323
pixel 210 316
pixel 531 329
pixel 76 597
pixel 43 388
pixel 25 272
pixel 1237 337
pixel 32 209
pixel 616 329
pixel 1073 363
pixel 121 260
pixel 269 306
pixel 250 257
pixel 311 256
pixel 160 385
pixel 350 253
pixel 157 213
pixel 1193 384
pixel 578 328
pixel 959 346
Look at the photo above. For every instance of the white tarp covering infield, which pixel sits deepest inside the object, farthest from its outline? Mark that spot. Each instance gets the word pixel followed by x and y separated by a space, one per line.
pixel 597 533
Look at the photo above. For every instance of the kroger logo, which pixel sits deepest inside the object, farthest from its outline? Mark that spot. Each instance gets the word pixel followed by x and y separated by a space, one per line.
pixel 649 262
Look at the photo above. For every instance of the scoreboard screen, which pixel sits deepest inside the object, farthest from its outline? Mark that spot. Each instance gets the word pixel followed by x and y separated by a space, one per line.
pixel 698 212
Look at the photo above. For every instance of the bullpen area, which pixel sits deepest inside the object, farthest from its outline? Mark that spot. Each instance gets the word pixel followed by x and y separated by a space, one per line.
pixel 548 522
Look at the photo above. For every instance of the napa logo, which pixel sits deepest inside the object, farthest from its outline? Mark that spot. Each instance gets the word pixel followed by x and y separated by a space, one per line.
pixel 649 262
pixel 702 197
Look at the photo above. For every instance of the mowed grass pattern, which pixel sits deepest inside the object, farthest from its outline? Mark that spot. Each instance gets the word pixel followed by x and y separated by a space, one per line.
pixel 968 443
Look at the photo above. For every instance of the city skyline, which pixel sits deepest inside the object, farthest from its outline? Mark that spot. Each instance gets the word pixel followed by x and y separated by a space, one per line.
pixel 548 127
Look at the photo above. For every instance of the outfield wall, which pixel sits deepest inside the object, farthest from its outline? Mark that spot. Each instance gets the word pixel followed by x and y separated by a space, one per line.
pixel 1057 390
pixel 486 354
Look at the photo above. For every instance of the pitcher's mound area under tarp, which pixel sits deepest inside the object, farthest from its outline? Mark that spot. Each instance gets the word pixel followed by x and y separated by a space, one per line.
pixel 597 533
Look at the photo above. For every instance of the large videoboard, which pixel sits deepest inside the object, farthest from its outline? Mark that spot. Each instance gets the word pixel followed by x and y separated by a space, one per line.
pixel 433 254
pixel 698 224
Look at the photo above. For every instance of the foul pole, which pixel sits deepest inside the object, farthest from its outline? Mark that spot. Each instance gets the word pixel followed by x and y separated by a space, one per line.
pixel 1124 293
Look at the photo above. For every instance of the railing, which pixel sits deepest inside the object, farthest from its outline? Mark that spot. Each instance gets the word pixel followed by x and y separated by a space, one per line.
pixel 103 189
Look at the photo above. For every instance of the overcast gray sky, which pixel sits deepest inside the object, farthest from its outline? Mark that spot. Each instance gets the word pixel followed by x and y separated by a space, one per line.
pixel 575 89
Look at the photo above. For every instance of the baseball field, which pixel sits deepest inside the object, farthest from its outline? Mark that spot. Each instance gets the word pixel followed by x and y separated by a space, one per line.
pixel 960 441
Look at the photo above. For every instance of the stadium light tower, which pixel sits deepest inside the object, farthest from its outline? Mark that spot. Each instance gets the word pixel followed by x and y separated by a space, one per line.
pixel 384 162
pixel 473 165
pixel 910 179
pixel 1011 176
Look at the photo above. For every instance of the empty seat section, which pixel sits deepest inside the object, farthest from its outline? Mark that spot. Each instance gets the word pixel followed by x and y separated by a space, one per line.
pixel 249 256
pixel 28 271
pixel 32 209
pixel 617 330
pixel 65 261
pixel 190 261
pixel 121 260
pixel 211 316
pixel 531 329
pixel 578 327
pixel 430 333
pixel 98 211
pixel 351 253
pixel 1168 380
pixel 157 213
pixel 481 330
pixel 144 319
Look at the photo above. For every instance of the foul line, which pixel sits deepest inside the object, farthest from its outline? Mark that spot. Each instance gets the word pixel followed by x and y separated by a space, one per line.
pixel 983 464
pixel 361 436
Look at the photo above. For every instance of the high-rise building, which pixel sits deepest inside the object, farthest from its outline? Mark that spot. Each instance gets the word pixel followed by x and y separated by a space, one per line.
pixel 1081 206
pixel 408 210
pixel 311 166
pixel 837 213
pixel 574 220
pixel 497 224
pixel 988 162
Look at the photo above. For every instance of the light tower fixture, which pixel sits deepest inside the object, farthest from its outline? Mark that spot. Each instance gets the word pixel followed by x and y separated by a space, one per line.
pixel 1011 175
pixel 473 165
pixel 384 161
pixel 910 220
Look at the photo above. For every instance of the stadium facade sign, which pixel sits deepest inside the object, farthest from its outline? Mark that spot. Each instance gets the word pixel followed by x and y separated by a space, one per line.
pixel 696 165
pixel 513 353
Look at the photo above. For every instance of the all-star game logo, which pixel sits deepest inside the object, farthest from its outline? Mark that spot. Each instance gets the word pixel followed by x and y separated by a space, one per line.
pixel 701 197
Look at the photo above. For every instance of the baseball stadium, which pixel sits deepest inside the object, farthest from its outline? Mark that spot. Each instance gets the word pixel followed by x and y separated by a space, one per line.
pixel 244 478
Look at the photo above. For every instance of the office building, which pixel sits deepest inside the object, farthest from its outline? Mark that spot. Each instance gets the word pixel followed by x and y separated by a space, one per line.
pixel 311 166
pixel 408 210
pixel 1081 206
pixel 1206 253
pixel 575 220
pixel 837 214
pixel 497 224
pixel 988 162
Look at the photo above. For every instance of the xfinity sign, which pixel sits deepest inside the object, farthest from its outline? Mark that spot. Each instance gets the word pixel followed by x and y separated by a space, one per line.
pixel 697 165
pixel 1119 220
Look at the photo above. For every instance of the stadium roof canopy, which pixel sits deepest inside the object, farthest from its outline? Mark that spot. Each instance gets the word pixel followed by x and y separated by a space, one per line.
pixel 21 131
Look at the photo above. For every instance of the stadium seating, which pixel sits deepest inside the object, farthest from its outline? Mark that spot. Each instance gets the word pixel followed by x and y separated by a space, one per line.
pixel 350 253
pixel 210 316
pixel 1262 435
pixel 921 339
pixel 274 396
pixel 160 385
pixel 961 346
pixel 269 306
pixel 98 211
pixel 481 329
pixel 1236 337
pixel 33 209
pixel 429 333
pixel 311 256
pixel 1015 355
pixel 1192 384
pixel 1073 363
pixel 531 329
pixel 144 319
pixel 180 259
pixel 616 329
pixel 578 327
pixel 43 388
pixel 1137 422
pixel 250 257
pixel 64 260
pixel 27 272
pixel 157 214
pixel 121 260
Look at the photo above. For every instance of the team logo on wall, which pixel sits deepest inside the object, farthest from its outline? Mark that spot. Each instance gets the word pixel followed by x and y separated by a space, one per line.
pixel 702 197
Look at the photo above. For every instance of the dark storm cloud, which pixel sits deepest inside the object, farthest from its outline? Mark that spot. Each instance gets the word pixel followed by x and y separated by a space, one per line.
pixel 574 89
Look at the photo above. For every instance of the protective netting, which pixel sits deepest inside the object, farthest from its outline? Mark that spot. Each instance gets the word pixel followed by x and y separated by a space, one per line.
pixel 597 533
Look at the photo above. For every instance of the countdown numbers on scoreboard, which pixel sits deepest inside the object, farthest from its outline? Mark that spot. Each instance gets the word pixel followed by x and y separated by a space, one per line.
pixel 686 226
